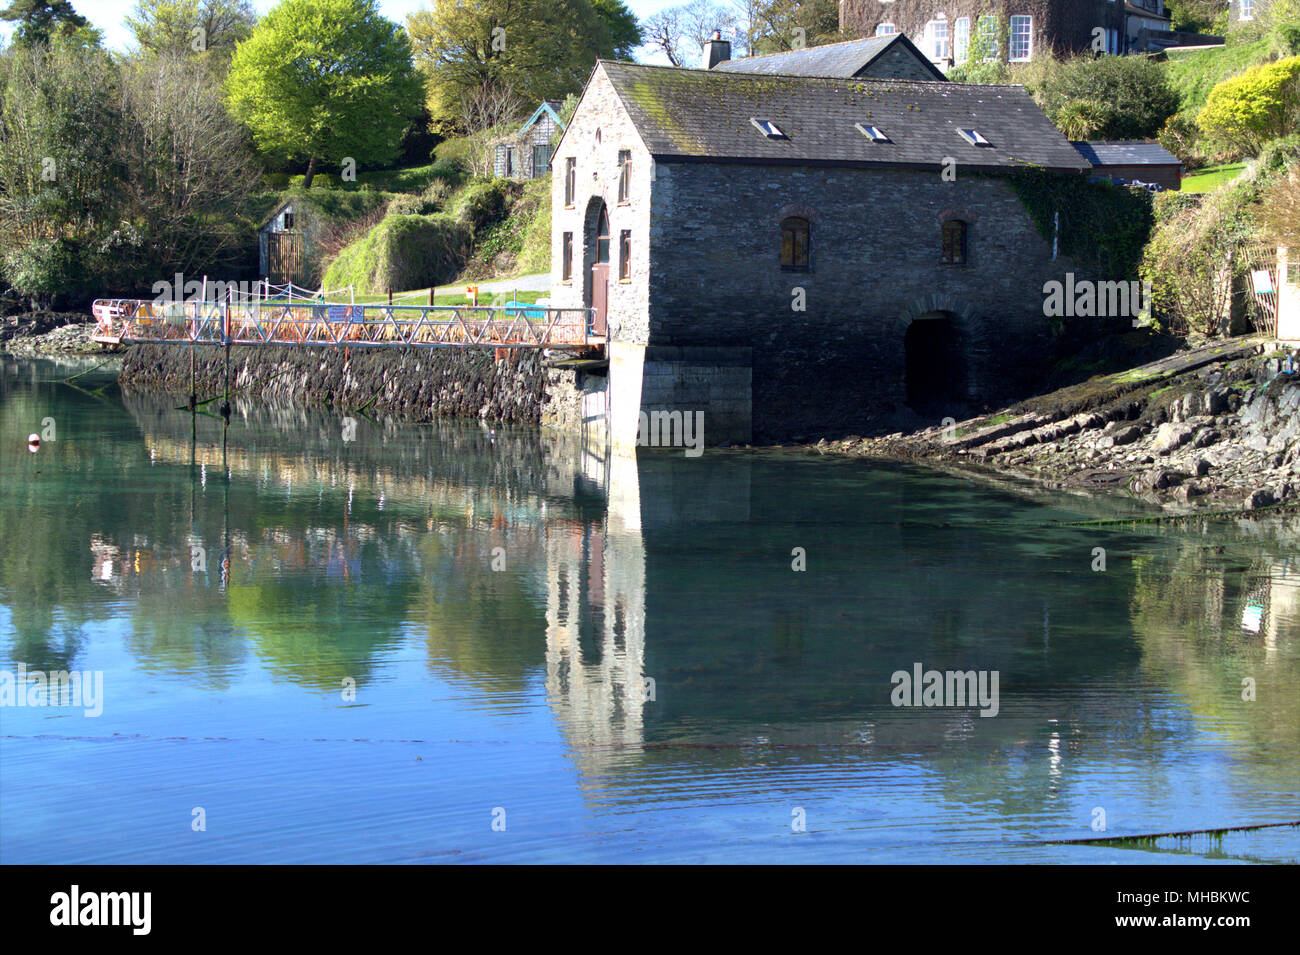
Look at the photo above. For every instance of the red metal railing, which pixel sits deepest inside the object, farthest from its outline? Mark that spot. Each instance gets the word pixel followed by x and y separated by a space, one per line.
pixel 392 326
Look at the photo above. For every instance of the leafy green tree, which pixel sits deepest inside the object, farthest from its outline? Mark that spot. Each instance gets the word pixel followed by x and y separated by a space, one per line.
pixel 1197 16
pixel 39 20
pixel 186 26
pixel 789 24
pixel 59 185
pixel 325 81
pixel 621 23
pixel 1261 104
pixel 1133 93
pixel 529 49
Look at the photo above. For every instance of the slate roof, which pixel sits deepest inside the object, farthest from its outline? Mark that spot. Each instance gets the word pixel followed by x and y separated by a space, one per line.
pixel 703 115
pixel 1126 154
pixel 845 59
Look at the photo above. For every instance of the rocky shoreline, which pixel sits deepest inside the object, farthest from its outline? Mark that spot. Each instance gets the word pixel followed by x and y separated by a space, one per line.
pixel 48 333
pixel 1213 427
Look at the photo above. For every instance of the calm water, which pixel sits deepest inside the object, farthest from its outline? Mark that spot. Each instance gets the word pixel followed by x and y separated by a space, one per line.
pixel 501 603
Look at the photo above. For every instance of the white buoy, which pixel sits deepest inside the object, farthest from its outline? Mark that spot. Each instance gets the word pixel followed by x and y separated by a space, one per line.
pixel 33 443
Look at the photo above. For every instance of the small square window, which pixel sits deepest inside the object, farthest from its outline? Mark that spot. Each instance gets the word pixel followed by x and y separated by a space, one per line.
pixel 288 219
pixel 767 128
pixel 974 137
pixel 873 133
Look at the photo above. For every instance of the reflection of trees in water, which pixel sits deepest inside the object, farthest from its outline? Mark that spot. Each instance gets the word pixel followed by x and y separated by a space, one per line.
pixel 1207 617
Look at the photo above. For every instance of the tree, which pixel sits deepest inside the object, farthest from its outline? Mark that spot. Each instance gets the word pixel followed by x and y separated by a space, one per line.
pixel 539 49
pixel 1133 94
pixel 185 26
pixel 620 22
pixel 39 20
pixel 1261 104
pixel 325 81
pixel 187 171
pixel 1197 16
pixel 58 181
pixel 681 32
pixel 791 24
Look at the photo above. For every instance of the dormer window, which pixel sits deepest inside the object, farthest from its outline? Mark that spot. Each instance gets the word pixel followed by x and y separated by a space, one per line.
pixel 767 128
pixel 974 137
pixel 873 133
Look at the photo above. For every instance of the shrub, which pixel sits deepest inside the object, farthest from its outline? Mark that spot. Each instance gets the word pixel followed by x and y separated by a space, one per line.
pixel 483 204
pixel 1261 104
pixel 1182 137
pixel 412 205
pixel 1132 93
pixel 1197 244
pixel 1279 154
pixel 403 252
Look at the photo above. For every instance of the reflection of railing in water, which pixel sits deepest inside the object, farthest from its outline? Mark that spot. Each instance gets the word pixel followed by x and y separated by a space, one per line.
pixel 328 323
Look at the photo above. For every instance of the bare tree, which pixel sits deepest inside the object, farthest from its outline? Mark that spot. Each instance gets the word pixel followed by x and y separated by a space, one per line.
pixel 489 104
pixel 681 32
pixel 663 32
pixel 188 167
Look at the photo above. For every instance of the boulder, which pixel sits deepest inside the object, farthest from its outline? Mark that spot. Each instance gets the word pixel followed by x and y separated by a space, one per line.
pixel 1170 437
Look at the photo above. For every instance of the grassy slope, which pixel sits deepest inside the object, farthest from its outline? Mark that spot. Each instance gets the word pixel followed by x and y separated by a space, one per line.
pixel 1193 75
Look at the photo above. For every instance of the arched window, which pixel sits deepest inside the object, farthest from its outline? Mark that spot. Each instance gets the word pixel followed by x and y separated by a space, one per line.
pixel 954 242
pixel 602 236
pixel 795 244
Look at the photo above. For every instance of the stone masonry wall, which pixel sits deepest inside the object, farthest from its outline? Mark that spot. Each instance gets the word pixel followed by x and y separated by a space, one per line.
pixel 601 111
pixel 415 384
pixel 716 279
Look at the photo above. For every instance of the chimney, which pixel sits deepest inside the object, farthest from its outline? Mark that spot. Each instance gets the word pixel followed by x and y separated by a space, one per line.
pixel 716 50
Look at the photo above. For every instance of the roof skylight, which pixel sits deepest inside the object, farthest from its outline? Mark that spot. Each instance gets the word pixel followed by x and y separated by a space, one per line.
pixel 767 128
pixel 873 133
pixel 973 137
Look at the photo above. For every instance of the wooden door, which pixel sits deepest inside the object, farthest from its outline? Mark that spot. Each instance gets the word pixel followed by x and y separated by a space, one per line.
pixel 599 298
pixel 284 257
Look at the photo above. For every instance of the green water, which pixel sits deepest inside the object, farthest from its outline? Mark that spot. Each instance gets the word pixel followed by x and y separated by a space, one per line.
pixel 445 644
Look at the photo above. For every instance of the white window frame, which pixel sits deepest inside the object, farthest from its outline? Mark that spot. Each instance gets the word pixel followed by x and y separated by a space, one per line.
pixel 886 29
pixel 986 32
pixel 940 44
pixel 1247 9
pixel 1028 35
pixel 961 40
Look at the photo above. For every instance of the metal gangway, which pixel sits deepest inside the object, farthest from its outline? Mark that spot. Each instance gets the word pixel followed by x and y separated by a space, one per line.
pixel 320 323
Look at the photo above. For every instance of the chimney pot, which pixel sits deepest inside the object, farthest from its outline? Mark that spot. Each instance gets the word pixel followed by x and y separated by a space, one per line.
pixel 716 50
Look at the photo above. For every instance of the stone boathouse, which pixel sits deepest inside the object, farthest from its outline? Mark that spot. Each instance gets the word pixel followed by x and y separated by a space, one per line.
pixel 792 255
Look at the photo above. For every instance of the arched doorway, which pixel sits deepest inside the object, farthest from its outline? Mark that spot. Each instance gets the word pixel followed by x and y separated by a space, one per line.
pixel 596 256
pixel 935 373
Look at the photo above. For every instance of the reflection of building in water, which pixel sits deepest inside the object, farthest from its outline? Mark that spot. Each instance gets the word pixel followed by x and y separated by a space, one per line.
pixel 1273 607
pixel 595 625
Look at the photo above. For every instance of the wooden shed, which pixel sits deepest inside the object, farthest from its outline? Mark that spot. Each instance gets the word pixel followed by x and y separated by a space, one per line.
pixel 526 153
pixel 1133 161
